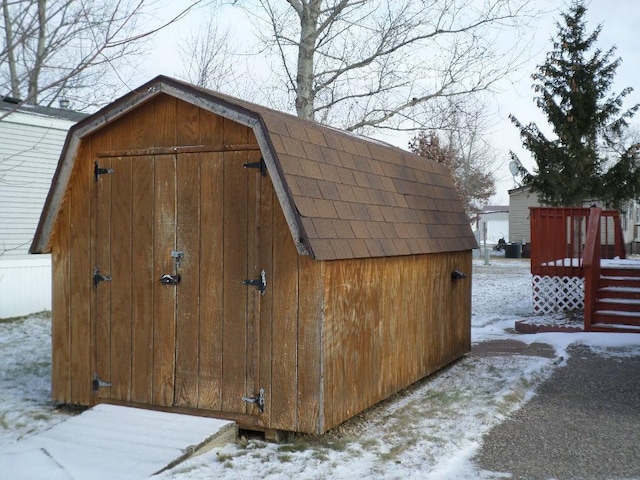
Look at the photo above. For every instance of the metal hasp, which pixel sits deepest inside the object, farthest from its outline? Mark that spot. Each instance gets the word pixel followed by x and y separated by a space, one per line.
pixel 458 275
pixel 97 171
pixel 97 278
pixel 257 400
pixel 177 256
pixel 259 165
pixel 96 383
pixel 260 283
pixel 170 279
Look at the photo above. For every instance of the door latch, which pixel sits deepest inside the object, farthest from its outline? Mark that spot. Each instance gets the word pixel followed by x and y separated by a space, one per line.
pixel 97 383
pixel 170 279
pixel 260 283
pixel 257 400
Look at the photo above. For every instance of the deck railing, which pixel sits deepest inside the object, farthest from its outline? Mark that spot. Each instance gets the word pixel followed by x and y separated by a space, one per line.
pixel 591 265
pixel 559 239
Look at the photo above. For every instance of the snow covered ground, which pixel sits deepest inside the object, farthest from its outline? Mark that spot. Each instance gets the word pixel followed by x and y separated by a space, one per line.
pixel 430 430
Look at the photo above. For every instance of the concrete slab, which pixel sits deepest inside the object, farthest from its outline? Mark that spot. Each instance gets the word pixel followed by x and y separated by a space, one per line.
pixel 108 442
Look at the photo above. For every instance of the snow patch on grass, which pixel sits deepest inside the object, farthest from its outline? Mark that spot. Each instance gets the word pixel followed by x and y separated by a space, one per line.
pixel 25 378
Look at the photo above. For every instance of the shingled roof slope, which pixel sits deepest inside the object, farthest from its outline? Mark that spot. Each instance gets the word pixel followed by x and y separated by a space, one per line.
pixel 351 197
pixel 357 197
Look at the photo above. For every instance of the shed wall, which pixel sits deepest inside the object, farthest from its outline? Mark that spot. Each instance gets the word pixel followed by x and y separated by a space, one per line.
pixel 284 344
pixel 390 322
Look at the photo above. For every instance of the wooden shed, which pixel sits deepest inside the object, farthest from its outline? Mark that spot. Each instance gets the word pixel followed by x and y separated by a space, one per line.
pixel 221 258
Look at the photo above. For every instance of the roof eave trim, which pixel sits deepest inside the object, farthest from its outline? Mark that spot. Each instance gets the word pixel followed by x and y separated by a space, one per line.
pixel 42 238
pixel 286 203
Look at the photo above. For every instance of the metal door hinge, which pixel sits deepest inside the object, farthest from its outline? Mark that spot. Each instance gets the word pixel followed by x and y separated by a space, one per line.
pixel 97 171
pixel 259 165
pixel 97 278
pixel 96 383
pixel 257 400
pixel 260 283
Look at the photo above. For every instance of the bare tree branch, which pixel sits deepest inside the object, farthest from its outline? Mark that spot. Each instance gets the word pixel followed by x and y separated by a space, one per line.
pixel 377 63
pixel 66 48
pixel 207 57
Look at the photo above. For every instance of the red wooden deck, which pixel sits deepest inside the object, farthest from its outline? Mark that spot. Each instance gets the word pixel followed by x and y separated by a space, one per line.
pixel 588 243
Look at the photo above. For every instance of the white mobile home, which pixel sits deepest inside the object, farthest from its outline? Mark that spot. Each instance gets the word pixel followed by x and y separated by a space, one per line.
pixel 31 139
pixel 520 200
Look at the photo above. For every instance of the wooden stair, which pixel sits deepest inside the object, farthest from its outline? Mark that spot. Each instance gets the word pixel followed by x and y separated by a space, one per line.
pixel 617 305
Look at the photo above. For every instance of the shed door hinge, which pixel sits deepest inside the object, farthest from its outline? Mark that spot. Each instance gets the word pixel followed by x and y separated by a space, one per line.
pixel 97 278
pixel 257 400
pixel 259 165
pixel 260 283
pixel 97 171
pixel 96 383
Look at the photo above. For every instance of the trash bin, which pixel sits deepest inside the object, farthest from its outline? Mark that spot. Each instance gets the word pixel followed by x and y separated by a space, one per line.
pixel 513 250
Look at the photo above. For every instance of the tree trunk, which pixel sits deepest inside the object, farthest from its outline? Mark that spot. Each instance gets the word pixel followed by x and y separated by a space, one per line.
pixel 34 75
pixel 305 93
pixel 11 55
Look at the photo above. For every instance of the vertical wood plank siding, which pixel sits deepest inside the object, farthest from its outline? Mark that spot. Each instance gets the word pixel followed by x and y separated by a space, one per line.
pixel 60 311
pixel 212 268
pixel 327 339
pixel 100 298
pixel 80 283
pixel 388 323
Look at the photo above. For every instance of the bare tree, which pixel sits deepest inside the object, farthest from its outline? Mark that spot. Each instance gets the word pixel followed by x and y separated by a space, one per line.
pixel 51 49
pixel 206 56
pixel 384 64
pixel 465 153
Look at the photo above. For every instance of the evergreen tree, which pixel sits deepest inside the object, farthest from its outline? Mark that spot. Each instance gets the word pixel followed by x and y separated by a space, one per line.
pixel 586 160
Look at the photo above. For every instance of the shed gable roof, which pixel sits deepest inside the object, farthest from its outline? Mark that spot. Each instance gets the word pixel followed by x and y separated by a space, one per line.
pixel 344 196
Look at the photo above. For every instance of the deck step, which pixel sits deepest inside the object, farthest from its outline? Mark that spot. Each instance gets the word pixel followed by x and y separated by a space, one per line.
pixel 630 271
pixel 616 317
pixel 619 277
pixel 618 304
pixel 611 327
pixel 612 281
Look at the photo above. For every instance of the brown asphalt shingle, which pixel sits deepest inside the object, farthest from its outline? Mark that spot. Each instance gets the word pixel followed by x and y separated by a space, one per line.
pixel 369 199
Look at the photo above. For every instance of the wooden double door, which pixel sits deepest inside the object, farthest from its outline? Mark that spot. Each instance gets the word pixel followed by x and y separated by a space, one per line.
pixel 178 279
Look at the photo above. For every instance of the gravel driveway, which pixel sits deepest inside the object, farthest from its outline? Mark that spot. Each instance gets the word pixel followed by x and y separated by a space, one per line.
pixel 584 423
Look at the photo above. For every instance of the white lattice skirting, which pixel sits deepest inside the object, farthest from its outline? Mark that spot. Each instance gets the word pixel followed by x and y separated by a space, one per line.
pixel 556 294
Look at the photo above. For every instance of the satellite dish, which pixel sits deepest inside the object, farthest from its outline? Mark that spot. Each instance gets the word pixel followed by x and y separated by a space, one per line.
pixel 517 170
pixel 514 167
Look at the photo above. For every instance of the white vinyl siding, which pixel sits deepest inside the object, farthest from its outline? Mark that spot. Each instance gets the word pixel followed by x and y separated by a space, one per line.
pixel 519 222
pixel 30 147
pixel 28 157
